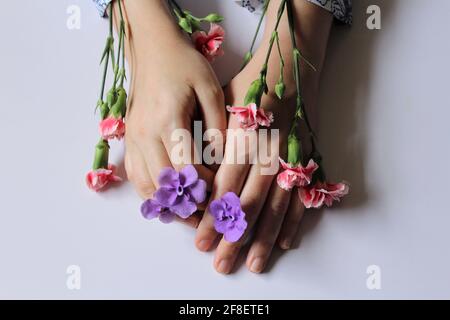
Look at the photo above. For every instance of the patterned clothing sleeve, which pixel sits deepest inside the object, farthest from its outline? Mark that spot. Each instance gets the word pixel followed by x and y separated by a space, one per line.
pixel 341 9
pixel 101 6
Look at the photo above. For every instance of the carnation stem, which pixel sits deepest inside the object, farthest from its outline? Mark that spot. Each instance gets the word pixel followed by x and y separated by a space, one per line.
pixel 250 51
pixel 120 47
pixel 272 38
pixel 108 50
pixel 176 7
pixel 300 112
pixel 281 79
pixel 122 29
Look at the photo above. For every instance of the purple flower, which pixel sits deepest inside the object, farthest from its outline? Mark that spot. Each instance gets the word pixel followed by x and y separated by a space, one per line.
pixel 180 191
pixel 229 217
pixel 153 209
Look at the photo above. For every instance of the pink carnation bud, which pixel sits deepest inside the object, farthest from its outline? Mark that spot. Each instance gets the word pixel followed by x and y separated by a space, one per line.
pixel 296 176
pixel 251 117
pixel 98 179
pixel 210 44
pixel 112 128
pixel 322 193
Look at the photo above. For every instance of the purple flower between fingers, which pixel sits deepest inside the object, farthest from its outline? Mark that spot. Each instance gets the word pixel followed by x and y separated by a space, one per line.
pixel 229 217
pixel 181 191
pixel 151 209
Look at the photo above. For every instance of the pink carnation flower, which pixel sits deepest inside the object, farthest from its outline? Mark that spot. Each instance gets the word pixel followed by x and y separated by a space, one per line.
pixel 296 176
pixel 98 179
pixel 251 117
pixel 322 193
pixel 210 44
pixel 112 128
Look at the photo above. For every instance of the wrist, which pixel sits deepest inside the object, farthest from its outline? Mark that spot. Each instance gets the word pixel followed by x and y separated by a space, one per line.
pixel 151 29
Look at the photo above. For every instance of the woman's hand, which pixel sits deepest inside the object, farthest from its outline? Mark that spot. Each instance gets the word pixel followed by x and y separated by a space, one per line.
pixel 272 213
pixel 171 83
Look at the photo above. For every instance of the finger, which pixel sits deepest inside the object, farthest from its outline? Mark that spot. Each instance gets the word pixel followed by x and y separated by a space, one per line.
pixel 212 104
pixel 252 200
pixel 210 98
pixel 137 171
pixel 156 157
pixel 229 178
pixel 268 228
pixel 291 222
pixel 182 151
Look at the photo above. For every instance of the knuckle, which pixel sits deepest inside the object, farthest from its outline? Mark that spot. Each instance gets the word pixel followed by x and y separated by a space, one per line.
pixel 138 130
pixel 295 218
pixel 278 208
pixel 251 206
pixel 215 93
pixel 265 244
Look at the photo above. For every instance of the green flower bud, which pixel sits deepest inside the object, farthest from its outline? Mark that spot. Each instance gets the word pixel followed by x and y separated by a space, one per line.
pixel 104 110
pixel 118 110
pixel 111 98
pixel 280 88
pixel 195 23
pixel 255 92
pixel 294 150
pixel 213 18
pixel 101 155
pixel 185 24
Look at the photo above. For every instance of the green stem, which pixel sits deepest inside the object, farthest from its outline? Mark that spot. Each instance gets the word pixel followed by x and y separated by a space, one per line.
pixel 272 38
pixel 105 72
pixel 279 48
pixel 300 105
pixel 105 68
pixel 281 58
pixel 176 7
pixel 266 6
pixel 119 50
pixel 122 31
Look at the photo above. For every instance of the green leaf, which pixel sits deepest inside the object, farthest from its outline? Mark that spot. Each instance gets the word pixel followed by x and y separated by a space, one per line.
pixel 280 88
pixel 106 50
pixel 213 18
pixel 185 24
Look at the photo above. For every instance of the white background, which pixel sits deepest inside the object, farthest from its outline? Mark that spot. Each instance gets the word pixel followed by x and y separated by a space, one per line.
pixel 384 107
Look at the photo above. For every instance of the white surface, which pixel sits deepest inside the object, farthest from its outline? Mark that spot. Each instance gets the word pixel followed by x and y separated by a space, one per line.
pixel 385 109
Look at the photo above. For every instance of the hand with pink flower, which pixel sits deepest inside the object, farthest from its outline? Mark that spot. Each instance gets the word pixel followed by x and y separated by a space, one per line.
pixel 274 204
pixel 172 84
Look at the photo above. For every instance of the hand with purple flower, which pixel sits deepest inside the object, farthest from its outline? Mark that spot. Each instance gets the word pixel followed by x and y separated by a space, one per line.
pixel 178 195
pixel 273 213
pixel 172 83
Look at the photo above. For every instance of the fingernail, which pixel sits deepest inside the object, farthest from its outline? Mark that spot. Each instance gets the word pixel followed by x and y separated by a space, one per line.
pixel 224 266
pixel 204 245
pixel 286 244
pixel 257 265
